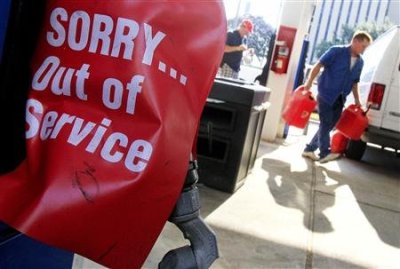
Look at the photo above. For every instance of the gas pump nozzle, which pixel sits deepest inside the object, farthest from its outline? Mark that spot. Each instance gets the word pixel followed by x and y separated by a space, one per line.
pixel 203 250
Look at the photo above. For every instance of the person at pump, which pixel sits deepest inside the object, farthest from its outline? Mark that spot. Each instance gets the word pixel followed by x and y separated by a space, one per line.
pixel 340 76
pixel 234 47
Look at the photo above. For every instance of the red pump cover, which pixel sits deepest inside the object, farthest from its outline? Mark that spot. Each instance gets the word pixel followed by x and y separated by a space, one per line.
pixel 352 122
pixel 116 95
pixel 299 108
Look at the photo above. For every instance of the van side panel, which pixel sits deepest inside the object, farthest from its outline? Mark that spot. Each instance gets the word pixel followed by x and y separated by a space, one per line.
pixel 391 113
pixel 380 64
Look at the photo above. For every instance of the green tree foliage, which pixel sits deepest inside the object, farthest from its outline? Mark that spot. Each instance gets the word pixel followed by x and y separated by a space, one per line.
pixel 261 36
pixel 324 46
pixel 373 28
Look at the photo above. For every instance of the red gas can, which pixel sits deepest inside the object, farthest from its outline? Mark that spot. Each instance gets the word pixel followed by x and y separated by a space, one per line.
pixel 338 142
pixel 299 108
pixel 352 122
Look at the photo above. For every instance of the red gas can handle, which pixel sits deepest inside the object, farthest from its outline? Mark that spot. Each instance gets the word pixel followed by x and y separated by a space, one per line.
pixel 303 91
pixel 358 109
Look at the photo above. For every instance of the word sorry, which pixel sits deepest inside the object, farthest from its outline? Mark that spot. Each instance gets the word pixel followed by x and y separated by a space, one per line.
pixel 101 34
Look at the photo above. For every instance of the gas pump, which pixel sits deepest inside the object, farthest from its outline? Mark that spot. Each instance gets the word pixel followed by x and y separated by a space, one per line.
pixel 294 21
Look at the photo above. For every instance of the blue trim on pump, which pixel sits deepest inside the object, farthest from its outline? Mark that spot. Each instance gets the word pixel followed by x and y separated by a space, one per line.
pixel 4 14
pixel 24 252
pixel 299 78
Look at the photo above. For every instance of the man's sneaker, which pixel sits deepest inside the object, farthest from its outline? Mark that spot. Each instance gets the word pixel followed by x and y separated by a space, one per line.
pixel 310 154
pixel 329 157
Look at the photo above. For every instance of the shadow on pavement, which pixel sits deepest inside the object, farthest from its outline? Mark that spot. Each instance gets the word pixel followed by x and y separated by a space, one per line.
pixel 295 190
pixel 383 183
pixel 376 193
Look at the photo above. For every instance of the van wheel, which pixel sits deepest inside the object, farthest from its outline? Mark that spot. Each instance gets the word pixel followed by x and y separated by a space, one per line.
pixel 355 149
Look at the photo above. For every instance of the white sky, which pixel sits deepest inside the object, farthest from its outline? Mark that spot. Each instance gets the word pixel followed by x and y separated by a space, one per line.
pixel 268 9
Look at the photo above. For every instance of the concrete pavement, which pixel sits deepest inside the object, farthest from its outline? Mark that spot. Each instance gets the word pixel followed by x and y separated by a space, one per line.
pixel 294 213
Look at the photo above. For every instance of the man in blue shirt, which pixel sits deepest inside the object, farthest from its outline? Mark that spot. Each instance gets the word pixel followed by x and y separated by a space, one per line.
pixel 234 47
pixel 340 76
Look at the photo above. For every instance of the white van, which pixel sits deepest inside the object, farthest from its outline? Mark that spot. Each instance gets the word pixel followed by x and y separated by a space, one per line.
pixel 380 90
